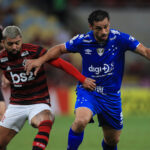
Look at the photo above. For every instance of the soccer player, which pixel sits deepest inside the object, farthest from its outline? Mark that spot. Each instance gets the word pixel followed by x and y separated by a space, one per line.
pixel 29 94
pixel 2 103
pixel 2 82
pixel 103 54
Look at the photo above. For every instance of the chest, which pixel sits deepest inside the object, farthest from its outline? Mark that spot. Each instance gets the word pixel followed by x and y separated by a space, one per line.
pixel 14 69
pixel 96 53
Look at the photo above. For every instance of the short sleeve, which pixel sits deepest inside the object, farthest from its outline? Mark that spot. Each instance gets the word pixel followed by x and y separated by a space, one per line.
pixel 129 42
pixel 40 51
pixel 75 44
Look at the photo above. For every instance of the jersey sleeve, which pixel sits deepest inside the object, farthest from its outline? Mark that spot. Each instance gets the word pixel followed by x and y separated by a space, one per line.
pixel 74 45
pixel 129 42
pixel 40 51
pixel 68 68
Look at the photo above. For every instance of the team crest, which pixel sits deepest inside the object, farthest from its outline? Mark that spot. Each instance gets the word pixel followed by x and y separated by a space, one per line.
pixel 100 51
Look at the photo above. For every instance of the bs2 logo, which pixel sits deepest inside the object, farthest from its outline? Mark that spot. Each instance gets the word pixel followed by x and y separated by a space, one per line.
pixel 21 77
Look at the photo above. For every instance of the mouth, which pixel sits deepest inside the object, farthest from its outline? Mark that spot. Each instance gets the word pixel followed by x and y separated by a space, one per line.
pixel 104 37
pixel 14 51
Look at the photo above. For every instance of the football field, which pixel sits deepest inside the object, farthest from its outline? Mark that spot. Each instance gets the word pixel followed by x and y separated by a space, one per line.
pixel 135 135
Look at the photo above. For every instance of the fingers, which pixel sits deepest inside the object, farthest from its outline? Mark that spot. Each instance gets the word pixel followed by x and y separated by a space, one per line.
pixel 36 70
pixel 89 84
pixel 30 64
pixel 92 86
pixel 28 69
pixel 27 62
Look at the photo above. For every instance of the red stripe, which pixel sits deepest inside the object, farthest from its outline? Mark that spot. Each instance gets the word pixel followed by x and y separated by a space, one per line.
pixel 35 90
pixel 45 126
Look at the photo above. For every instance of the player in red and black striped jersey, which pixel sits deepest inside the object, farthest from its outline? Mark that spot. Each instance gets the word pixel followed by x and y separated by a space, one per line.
pixel 29 93
pixel 2 103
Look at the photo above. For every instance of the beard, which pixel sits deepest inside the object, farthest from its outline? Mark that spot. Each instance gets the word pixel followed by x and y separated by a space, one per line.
pixel 12 54
pixel 102 39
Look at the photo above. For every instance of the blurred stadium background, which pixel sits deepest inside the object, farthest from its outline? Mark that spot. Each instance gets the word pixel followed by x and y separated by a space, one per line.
pixel 50 22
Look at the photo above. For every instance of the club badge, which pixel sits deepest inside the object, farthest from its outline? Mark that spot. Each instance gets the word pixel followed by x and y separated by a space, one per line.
pixel 100 51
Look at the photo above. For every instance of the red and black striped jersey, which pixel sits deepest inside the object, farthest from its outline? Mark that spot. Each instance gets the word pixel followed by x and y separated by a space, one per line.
pixel 25 89
pixel 31 89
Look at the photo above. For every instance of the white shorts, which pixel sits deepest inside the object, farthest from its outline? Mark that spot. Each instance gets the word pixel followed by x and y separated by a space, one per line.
pixel 16 115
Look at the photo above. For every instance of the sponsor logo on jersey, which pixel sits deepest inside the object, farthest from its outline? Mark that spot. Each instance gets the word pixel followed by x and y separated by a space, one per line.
pixel 25 53
pixel 88 51
pixel 4 59
pixel 106 68
pixel 21 77
pixel 100 51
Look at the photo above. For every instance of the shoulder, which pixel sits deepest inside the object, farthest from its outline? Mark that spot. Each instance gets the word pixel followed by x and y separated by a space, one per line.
pixel 81 38
pixel 120 34
pixel 3 57
pixel 30 47
pixel 3 53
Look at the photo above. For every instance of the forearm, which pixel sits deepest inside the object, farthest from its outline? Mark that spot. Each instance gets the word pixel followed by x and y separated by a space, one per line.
pixel 144 51
pixel 68 68
pixel 52 53
pixel 148 53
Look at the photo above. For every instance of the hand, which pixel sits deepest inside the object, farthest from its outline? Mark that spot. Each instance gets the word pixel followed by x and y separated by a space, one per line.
pixel 32 63
pixel 89 84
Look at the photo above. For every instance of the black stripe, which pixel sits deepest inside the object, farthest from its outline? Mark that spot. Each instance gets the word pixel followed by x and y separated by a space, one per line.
pixel 27 95
pixel 43 133
pixel 38 52
pixel 36 148
pixel 30 86
pixel 41 141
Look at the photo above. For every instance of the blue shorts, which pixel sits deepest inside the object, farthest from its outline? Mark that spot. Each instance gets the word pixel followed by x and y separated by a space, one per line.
pixel 107 108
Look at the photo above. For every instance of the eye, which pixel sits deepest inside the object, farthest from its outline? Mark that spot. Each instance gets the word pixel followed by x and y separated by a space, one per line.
pixel 105 27
pixel 98 28
pixel 9 43
pixel 17 43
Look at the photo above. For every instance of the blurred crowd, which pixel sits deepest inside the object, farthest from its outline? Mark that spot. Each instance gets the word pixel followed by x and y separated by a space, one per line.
pixel 45 22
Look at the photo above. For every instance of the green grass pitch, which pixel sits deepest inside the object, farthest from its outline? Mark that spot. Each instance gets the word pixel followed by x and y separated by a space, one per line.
pixel 135 135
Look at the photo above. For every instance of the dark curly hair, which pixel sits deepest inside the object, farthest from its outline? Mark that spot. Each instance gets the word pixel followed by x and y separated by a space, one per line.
pixel 97 15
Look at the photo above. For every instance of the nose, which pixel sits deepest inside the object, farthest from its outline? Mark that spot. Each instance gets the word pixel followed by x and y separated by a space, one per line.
pixel 104 31
pixel 14 46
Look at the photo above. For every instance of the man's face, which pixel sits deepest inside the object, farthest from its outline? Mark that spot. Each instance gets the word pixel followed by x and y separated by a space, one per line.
pixel 101 30
pixel 13 46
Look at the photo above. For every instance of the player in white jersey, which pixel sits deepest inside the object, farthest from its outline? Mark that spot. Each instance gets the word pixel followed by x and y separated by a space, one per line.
pixel 103 54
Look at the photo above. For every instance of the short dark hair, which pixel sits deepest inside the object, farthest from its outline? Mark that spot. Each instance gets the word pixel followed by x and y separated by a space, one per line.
pixel 97 15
